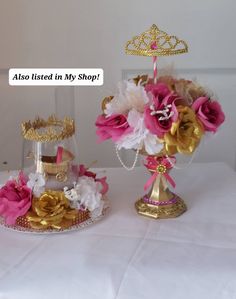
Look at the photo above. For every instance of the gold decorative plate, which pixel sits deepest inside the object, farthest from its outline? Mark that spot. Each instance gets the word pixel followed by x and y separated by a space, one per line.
pixel 83 220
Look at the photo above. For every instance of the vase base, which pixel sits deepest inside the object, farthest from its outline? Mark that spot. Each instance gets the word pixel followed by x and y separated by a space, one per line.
pixel 161 211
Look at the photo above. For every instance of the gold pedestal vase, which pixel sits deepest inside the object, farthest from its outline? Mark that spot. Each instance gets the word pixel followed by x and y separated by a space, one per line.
pixel 160 202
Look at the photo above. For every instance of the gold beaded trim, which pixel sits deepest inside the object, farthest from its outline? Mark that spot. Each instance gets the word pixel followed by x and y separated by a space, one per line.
pixel 166 44
pixel 105 101
pixel 84 219
pixel 30 129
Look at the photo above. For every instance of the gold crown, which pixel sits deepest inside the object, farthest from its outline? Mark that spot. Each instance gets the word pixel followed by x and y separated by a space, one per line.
pixel 165 44
pixel 30 130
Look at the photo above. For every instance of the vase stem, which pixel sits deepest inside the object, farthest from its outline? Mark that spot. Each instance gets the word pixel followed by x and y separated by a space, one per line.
pixel 160 202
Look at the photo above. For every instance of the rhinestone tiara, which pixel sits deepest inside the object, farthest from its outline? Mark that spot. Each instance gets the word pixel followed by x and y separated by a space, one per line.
pixel 166 44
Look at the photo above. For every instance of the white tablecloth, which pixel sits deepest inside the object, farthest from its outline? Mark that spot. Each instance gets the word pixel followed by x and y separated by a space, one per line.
pixel 126 256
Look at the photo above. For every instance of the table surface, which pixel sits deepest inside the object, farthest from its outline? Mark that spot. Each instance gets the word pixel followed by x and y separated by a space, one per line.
pixel 127 256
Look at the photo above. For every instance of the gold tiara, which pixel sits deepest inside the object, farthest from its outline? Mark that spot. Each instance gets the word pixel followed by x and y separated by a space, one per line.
pixel 165 44
pixel 30 130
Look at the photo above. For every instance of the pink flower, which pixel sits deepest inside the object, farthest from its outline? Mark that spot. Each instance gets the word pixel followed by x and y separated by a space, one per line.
pixel 113 126
pixel 209 113
pixel 160 115
pixel 15 199
pixel 159 91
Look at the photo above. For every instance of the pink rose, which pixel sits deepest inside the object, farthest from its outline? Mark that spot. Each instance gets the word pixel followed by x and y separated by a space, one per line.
pixel 15 199
pixel 158 91
pixel 209 113
pixel 160 115
pixel 113 126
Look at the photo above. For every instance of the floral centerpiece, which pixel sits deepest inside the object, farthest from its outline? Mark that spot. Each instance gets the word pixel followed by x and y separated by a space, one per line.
pixel 26 204
pixel 54 194
pixel 158 117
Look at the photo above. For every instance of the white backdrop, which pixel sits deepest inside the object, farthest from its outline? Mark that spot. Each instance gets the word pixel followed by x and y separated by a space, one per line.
pixel 89 33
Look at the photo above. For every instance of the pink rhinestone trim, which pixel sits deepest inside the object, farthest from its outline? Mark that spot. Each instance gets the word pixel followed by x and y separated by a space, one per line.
pixel 160 203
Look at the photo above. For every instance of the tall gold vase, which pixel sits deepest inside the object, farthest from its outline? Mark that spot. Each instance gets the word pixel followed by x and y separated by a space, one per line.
pixel 160 202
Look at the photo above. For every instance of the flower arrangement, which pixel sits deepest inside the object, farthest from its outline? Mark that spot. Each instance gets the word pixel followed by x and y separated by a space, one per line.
pixel 170 115
pixel 52 192
pixel 24 199
pixel 158 117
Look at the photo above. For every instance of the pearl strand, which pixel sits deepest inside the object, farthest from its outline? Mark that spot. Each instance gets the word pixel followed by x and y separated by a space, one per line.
pixel 123 164
pixel 188 163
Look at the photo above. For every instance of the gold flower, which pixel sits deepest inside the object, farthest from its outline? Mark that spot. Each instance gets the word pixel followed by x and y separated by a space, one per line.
pixel 185 134
pixel 51 210
pixel 188 90
pixel 168 80
pixel 142 80
pixel 105 101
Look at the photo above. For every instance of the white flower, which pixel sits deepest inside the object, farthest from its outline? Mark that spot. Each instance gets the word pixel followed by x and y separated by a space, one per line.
pixel 85 194
pixel 71 194
pixel 88 192
pixel 130 96
pixel 98 211
pixel 36 183
pixel 140 137
pixel 35 179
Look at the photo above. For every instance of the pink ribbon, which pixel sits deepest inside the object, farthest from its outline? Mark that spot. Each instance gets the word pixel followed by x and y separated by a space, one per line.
pixel 154 59
pixel 59 154
pixel 104 185
pixel 160 165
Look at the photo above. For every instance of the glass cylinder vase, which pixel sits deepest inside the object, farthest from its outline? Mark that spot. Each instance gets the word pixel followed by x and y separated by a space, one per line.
pixel 50 150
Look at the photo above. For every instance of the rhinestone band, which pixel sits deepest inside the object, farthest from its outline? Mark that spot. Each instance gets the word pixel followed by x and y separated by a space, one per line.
pixel 160 203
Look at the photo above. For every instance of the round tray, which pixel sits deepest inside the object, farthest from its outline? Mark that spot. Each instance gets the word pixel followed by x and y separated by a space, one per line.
pixel 81 222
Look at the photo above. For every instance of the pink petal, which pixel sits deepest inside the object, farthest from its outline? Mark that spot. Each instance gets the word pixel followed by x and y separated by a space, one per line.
pixel 201 114
pixel 199 102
